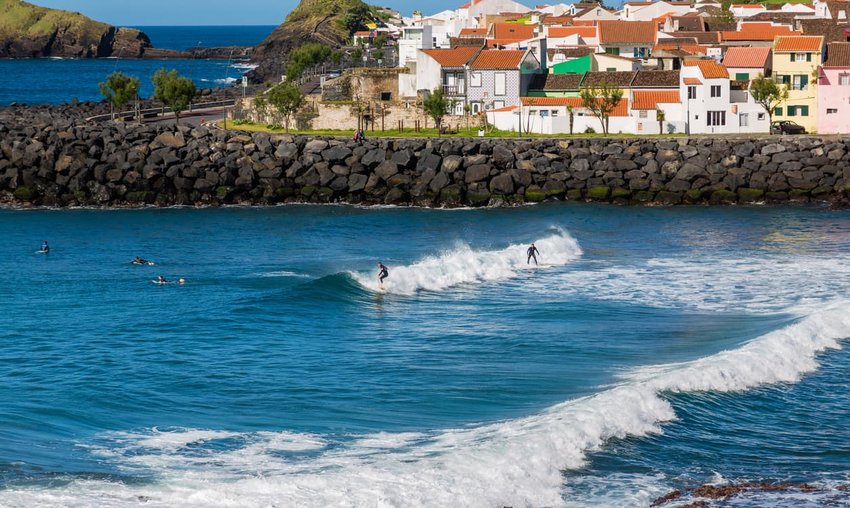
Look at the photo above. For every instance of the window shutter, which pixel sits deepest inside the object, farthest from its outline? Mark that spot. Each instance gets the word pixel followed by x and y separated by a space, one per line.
pixel 742 76
pixel 804 80
pixel 777 111
pixel 793 57
pixel 804 111
pixel 808 57
pixel 792 110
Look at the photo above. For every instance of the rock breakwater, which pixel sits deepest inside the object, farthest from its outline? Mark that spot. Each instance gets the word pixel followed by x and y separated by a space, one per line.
pixel 78 164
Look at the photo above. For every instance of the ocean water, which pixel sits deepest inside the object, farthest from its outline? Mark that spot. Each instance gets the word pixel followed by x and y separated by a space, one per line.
pixel 55 81
pixel 655 349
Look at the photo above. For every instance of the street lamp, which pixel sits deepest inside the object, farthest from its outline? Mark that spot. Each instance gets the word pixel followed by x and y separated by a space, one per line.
pixel 226 76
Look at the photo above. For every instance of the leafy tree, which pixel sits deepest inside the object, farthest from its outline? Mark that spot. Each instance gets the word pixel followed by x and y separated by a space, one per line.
pixel 768 94
pixel 356 55
pixel 601 101
pixel 336 57
pixel 173 90
pixel 435 106
pixel 118 90
pixel 286 98
pixel 380 40
pixel 304 57
pixel 660 117
pixel 355 18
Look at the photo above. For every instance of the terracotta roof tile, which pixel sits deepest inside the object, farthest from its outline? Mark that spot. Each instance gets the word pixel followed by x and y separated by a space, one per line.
pixel 812 43
pixel 513 31
pixel 678 44
pixel 498 59
pixel 625 32
pixel 569 53
pixel 747 56
pixel 692 81
pixel 695 24
pixel 709 68
pixel 457 57
pixel 838 55
pixel 831 31
pixel 650 99
pixel 622 108
pixel 502 110
pixel 473 32
pixel 566 31
pixel 701 37
pixel 758 33
pixel 656 79
pixel 557 20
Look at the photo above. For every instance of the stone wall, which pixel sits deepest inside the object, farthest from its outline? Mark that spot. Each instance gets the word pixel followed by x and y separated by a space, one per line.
pixel 116 165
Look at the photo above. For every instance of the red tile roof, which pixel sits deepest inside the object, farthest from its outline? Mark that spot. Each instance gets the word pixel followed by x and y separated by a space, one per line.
pixel 812 43
pixel 758 33
pixel 473 32
pixel 689 47
pixel 498 59
pixel 709 68
pixel 838 55
pixel 651 99
pixel 566 31
pixel 457 57
pixel 627 32
pixel 557 20
pixel 622 108
pixel 747 56
pixel 748 6
pixel 692 81
pixel 503 110
pixel 513 31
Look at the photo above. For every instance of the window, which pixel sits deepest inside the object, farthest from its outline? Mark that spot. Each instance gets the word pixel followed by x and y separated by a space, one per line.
pixel 715 90
pixel 744 120
pixel 475 79
pixel 760 116
pixel 800 82
pixel 610 69
pixel 498 104
pixel 640 53
pixel 692 92
pixel 716 118
pixel 844 79
pixel 476 108
pixel 613 51
pixel 501 83
pixel 554 113
pixel 742 76
pixel 643 113
pixel 386 96
pixel 831 111
pixel 777 111
pixel 544 113
pixel 559 57
pixel 799 57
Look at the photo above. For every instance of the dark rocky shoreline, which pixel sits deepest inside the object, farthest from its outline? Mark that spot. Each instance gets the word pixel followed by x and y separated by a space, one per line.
pixel 47 159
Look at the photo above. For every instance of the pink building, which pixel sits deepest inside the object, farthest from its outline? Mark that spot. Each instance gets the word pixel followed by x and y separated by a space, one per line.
pixel 834 90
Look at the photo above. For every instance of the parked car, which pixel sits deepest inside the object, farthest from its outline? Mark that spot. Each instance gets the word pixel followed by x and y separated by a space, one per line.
pixel 786 127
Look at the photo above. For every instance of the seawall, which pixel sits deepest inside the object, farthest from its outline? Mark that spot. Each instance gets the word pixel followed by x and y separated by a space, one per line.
pixel 134 165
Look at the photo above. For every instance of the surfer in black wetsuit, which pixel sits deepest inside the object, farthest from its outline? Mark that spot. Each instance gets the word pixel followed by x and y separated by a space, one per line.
pixel 382 273
pixel 139 261
pixel 44 247
pixel 161 280
pixel 532 254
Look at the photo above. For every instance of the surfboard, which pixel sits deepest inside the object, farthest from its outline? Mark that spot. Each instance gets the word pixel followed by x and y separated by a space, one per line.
pixel 42 252
pixel 162 283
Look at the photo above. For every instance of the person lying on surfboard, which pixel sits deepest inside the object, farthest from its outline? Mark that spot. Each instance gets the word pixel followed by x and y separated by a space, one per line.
pixel 382 273
pixel 139 261
pixel 161 280
pixel 532 254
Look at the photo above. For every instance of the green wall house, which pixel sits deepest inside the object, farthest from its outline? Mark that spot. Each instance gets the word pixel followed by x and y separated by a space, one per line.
pixel 576 66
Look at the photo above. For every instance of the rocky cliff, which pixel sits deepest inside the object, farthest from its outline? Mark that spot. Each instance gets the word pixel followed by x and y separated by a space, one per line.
pixel 329 22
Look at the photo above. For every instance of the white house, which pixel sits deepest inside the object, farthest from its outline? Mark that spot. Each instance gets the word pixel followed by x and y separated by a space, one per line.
pixel 549 115
pixel 497 78
pixel 628 38
pixel 648 11
pixel 745 63
pixel 471 12
pixel 413 38
pixel 710 105
pixel 645 107
pixel 446 69
pixel 746 10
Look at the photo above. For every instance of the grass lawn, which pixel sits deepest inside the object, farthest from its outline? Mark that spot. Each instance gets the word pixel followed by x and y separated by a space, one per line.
pixel 422 133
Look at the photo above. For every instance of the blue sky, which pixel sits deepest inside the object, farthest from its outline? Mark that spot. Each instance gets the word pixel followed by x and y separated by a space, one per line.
pixel 178 12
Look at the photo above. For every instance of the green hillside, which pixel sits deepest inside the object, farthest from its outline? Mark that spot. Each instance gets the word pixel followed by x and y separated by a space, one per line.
pixel 22 19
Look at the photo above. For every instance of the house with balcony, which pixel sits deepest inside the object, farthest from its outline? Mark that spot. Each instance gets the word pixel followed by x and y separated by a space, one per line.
pixel 744 64
pixel 498 78
pixel 833 95
pixel 795 61
pixel 446 69
pixel 713 106
pixel 633 39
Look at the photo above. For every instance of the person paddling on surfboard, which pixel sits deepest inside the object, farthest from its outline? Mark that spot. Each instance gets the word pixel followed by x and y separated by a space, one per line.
pixel 140 261
pixel 161 280
pixel 532 254
pixel 382 274
pixel 44 247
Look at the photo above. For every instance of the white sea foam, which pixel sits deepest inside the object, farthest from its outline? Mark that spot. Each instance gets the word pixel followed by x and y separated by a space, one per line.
pixel 464 265
pixel 220 81
pixel 517 462
pixel 282 273
pixel 244 66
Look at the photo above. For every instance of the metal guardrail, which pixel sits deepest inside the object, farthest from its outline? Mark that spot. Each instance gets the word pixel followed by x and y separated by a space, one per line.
pixel 161 111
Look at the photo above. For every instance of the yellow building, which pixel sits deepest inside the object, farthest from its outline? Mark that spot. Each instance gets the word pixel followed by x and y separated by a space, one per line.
pixel 795 59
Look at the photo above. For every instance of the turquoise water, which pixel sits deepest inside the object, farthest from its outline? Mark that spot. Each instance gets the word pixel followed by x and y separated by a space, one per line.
pixel 55 81
pixel 659 348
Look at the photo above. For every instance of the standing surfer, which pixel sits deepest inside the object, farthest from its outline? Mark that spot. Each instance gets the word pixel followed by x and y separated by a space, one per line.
pixel 532 254
pixel 382 274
